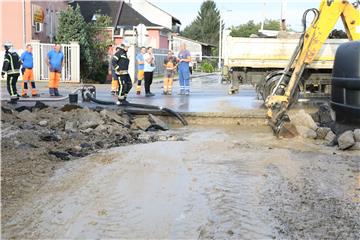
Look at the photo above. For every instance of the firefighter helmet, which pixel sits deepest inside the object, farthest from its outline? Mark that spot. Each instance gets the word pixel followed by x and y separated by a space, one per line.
pixel 7 46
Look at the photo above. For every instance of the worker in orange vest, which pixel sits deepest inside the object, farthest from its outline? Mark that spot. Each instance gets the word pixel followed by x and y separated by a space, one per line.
pixel 27 71
pixel 55 61
pixel 170 68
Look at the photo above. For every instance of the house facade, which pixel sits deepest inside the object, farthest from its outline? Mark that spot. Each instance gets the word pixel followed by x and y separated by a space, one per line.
pixel 39 20
pixel 127 23
pixel 22 21
pixel 139 22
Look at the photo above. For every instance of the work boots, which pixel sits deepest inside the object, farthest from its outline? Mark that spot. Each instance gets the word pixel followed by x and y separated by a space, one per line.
pixel 56 92
pixel 52 92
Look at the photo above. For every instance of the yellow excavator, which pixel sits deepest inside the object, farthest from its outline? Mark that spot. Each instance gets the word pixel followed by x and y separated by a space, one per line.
pixel 310 43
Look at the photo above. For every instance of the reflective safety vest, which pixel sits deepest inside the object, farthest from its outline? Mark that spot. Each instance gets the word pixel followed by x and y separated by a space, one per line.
pixel 12 63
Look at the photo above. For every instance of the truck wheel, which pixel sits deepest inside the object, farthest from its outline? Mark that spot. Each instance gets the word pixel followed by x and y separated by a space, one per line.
pixel 271 82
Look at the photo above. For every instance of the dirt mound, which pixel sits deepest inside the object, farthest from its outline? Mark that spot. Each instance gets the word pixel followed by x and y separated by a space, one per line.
pixel 37 140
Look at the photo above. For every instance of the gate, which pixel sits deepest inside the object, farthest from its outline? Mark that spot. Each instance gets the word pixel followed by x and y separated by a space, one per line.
pixel 71 67
pixel 160 55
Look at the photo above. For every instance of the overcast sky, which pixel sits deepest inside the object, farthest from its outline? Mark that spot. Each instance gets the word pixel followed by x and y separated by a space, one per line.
pixel 241 11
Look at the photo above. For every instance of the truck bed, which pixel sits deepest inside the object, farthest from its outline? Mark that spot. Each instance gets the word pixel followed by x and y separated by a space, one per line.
pixel 272 52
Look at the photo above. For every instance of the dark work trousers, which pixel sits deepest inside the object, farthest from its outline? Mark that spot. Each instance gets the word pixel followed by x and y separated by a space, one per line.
pixel 11 84
pixel 125 86
pixel 148 81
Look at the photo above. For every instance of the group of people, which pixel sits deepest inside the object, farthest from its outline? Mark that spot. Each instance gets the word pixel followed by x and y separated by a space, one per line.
pixel 121 81
pixel 119 68
pixel 14 65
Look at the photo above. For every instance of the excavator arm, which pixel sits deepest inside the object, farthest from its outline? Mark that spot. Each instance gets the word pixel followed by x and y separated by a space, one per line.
pixel 310 44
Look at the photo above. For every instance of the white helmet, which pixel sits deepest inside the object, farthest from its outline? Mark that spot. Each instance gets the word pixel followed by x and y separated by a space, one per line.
pixel 7 45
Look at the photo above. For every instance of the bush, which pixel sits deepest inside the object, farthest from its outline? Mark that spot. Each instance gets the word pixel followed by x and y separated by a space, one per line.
pixel 92 37
pixel 207 67
pixel 101 73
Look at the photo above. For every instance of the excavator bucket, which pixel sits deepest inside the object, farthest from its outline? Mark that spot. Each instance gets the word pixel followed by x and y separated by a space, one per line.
pixel 286 130
pixel 282 127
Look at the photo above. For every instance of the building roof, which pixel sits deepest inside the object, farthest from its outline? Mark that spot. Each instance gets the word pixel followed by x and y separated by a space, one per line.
pixel 173 18
pixel 109 8
pixel 120 12
pixel 129 17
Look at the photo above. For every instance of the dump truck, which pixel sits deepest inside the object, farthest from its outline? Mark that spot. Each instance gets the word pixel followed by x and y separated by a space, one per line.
pixel 311 56
pixel 251 60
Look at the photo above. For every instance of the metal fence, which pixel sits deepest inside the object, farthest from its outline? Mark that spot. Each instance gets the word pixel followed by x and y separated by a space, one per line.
pixel 71 67
pixel 66 68
pixel 160 55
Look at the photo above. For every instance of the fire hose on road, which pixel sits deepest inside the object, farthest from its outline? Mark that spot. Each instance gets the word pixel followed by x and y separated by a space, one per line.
pixel 89 94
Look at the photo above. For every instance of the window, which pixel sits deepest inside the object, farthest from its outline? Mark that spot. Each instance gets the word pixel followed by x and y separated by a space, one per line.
pixel 38 27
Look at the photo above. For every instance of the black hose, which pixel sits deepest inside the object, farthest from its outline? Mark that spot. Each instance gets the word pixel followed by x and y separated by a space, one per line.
pixel 166 111
pixel 316 17
pixel 143 106
pixel 175 114
pixel 102 102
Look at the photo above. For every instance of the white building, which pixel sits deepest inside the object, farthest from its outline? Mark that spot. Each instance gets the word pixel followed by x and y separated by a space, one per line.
pixel 197 49
pixel 155 15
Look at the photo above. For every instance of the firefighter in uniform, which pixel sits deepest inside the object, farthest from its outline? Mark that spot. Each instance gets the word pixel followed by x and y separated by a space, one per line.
pixel 120 63
pixel 115 78
pixel 11 67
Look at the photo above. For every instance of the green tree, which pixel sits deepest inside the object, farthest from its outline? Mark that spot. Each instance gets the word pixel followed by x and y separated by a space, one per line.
pixel 99 44
pixel 205 27
pixel 246 29
pixel 271 24
pixel 92 37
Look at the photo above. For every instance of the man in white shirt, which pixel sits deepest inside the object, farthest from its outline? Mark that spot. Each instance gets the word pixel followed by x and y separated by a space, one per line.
pixel 149 66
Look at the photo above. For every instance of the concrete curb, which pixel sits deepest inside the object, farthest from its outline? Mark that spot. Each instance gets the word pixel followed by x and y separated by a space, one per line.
pixel 258 114
pixel 251 118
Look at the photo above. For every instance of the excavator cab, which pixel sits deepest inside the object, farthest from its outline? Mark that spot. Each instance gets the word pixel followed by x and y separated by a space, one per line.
pixel 285 88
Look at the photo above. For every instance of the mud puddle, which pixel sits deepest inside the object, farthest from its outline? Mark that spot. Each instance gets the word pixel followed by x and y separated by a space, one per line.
pixel 221 183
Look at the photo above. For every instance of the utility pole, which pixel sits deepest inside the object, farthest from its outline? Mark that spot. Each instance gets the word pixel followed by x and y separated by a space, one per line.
pixel 221 37
pixel 283 15
pixel 220 42
pixel 263 16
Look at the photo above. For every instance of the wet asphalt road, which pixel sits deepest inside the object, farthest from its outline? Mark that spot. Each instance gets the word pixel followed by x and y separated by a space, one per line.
pixel 221 183
pixel 208 94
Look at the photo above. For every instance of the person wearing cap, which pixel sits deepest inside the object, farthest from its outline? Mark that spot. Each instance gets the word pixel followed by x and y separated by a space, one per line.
pixel 120 63
pixel 27 70
pixel 55 61
pixel 11 67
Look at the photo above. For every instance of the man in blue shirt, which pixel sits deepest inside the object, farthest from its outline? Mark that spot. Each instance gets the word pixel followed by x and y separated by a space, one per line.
pixel 184 58
pixel 55 61
pixel 27 71
pixel 140 68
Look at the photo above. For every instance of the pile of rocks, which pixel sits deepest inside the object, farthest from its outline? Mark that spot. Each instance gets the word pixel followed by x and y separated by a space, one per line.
pixel 320 125
pixel 72 131
pixel 349 140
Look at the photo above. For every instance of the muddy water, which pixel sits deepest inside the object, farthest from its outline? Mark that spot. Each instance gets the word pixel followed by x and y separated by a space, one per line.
pixel 219 183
